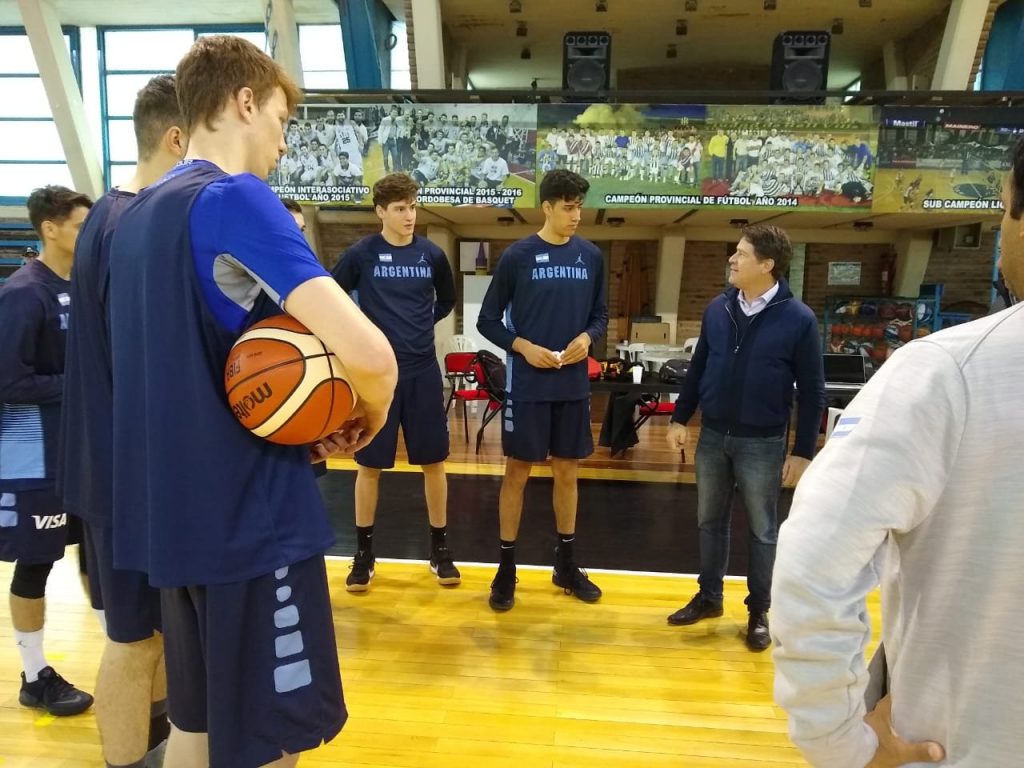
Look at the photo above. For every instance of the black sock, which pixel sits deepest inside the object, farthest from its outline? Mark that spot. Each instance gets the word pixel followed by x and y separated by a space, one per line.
pixel 508 555
pixel 437 536
pixel 364 538
pixel 159 730
pixel 565 542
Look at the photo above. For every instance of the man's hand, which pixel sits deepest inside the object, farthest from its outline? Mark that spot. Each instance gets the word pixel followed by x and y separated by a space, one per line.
pixel 894 751
pixel 794 469
pixel 366 420
pixel 677 435
pixel 536 355
pixel 577 349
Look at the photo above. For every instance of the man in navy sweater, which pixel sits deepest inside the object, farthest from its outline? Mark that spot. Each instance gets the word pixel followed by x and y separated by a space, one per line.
pixel 550 290
pixel 34 310
pixel 756 340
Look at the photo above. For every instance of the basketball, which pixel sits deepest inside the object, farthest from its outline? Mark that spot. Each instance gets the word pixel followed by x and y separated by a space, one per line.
pixel 284 385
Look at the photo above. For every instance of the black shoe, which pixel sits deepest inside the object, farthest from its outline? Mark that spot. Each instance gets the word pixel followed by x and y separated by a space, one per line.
pixel 441 565
pixel 361 572
pixel 503 589
pixel 758 638
pixel 695 610
pixel 575 582
pixel 54 694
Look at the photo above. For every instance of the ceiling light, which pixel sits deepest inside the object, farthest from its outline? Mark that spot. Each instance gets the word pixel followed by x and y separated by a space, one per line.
pixel 691 5
pixel 615 221
pixel 837 26
pixel 521 29
pixel 601 6
pixel 671 52
pixel 681 27
pixel 526 54
pixel 769 5
pixel 506 221
pixel 515 6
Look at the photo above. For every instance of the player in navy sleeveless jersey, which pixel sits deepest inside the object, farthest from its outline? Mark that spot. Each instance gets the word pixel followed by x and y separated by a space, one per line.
pixel 131 680
pixel 546 305
pixel 34 312
pixel 405 287
pixel 230 526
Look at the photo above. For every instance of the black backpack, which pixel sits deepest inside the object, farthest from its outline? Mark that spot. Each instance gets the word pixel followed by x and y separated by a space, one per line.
pixel 493 373
pixel 673 371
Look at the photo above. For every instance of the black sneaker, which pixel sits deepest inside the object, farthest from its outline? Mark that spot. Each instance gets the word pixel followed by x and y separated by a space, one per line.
pixel 700 607
pixel 503 589
pixel 758 638
pixel 441 565
pixel 575 582
pixel 54 694
pixel 361 572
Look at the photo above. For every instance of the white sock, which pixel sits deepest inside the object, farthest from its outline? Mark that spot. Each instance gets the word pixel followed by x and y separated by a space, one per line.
pixel 30 646
pixel 101 617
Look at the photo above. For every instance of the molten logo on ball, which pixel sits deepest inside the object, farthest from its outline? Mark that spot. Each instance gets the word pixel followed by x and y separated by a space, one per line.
pixel 243 408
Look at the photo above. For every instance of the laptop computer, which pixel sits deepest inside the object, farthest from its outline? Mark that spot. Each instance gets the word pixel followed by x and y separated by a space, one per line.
pixel 844 369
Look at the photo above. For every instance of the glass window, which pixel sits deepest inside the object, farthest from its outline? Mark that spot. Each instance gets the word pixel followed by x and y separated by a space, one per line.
pixel 319 80
pixel 146 49
pixel 121 174
pixel 259 39
pixel 122 141
pixel 23 97
pixel 19 180
pixel 321 48
pixel 30 140
pixel 121 93
pixel 401 74
pixel 16 55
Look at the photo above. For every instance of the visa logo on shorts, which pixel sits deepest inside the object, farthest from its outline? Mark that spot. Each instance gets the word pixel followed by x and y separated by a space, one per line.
pixel 542 258
pixel 46 522
pixel 384 257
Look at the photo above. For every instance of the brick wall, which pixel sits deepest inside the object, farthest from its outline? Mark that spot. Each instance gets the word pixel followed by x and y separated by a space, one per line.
pixel 335 238
pixel 966 274
pixel 817 259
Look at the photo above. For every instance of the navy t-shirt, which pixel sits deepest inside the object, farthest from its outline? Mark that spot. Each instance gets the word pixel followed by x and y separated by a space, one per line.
pixel 34 309
pixel 547 294
pixel 404 290
pixel 197 498
pixel 85 469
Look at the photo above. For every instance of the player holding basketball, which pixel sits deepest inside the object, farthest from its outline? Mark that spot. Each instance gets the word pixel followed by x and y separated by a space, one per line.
pixel 34 310
pixel 131 674
pixel 552 285
pixel 231 527
pixel 405 287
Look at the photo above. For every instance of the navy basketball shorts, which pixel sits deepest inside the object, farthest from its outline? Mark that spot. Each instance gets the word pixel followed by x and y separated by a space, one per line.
pixel 254 664
pixel 533 431
pixel 418 408
pixel 130 604
pixel 33 527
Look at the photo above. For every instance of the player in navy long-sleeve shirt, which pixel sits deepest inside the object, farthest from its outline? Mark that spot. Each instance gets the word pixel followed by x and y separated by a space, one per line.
pixel 546 305
pixel 405 287
pixel 131 677
pixel 34 314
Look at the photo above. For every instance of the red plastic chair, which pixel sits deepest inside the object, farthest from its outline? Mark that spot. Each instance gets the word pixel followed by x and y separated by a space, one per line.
pixel 473 375
pixel 456 369
pixel 655 407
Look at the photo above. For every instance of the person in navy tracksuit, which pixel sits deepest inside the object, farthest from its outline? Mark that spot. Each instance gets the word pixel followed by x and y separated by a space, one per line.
pixel 546 305
pixel 35 306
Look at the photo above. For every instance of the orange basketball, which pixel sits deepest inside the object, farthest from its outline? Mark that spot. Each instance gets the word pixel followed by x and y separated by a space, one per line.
pixel 284 385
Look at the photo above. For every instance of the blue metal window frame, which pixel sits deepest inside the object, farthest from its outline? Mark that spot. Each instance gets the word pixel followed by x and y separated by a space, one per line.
pixel 101 47
pixel 75 47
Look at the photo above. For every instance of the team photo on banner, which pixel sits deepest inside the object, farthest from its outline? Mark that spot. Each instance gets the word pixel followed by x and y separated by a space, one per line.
pixel 944 159
pixel 660 155
pixel 460 154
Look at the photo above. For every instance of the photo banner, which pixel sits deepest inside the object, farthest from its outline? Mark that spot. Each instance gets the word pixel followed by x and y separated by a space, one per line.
pixel 944 159
pixel 461 154
pixel 818 158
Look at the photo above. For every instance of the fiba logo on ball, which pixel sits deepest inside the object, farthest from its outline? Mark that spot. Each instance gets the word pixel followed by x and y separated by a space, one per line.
pixel 284 385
